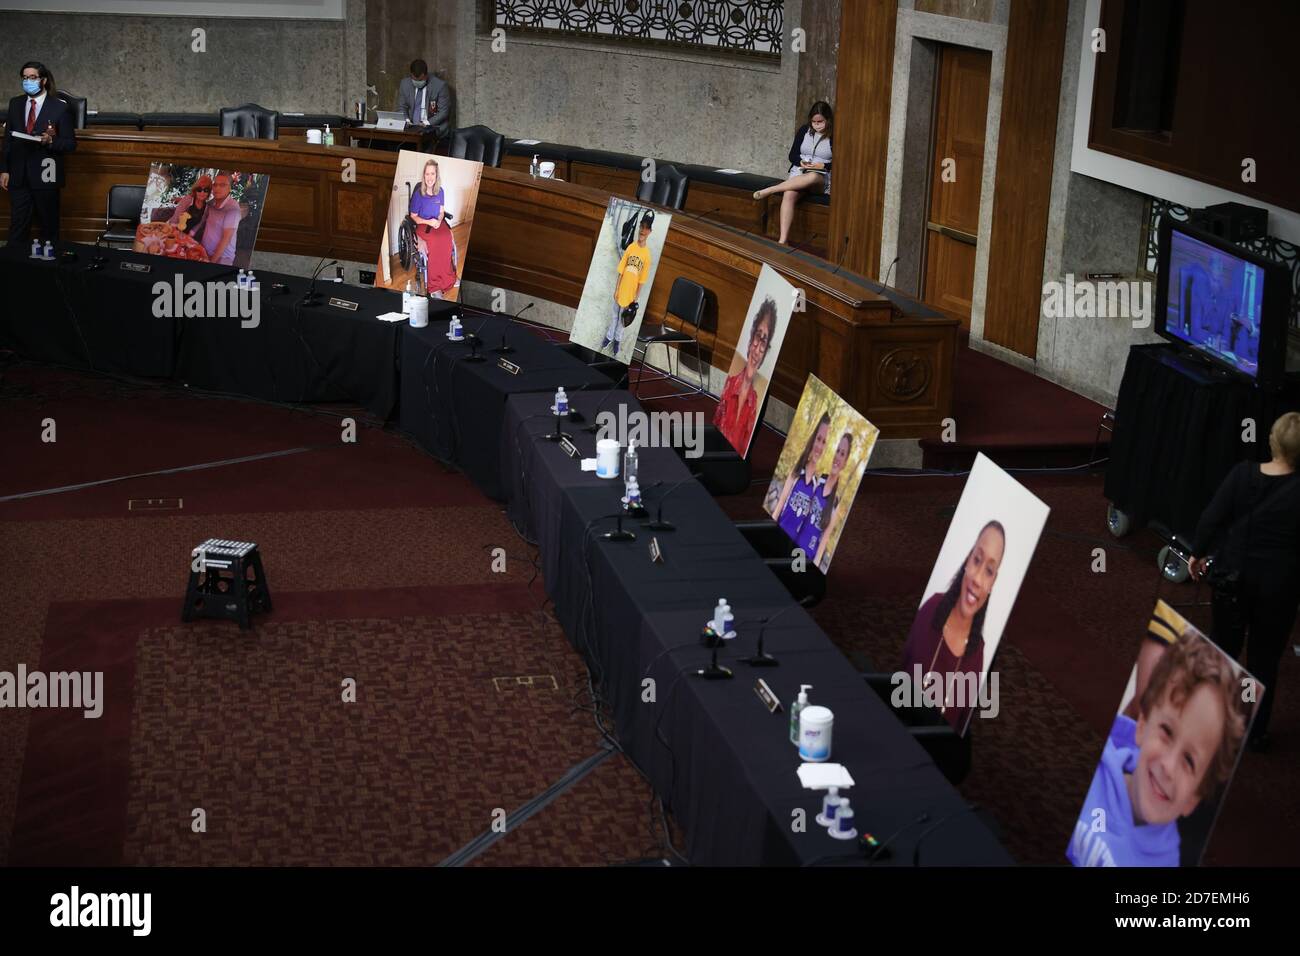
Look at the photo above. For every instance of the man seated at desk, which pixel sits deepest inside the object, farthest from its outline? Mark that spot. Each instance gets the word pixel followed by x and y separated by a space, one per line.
pixel 424 99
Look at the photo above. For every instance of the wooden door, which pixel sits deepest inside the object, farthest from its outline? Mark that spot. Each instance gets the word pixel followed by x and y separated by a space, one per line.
pixel 956 171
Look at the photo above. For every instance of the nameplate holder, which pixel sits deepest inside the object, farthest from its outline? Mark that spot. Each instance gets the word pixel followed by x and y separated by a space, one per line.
pixel 343 304
pixel 509 366
pixel 569 448
pixel 135 266
pixel 768 698
pixel 656 552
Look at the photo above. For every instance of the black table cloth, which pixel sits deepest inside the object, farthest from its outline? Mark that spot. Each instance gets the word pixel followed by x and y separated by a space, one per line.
pixel 1178 432
pixel 454 408
pixel 722 762
pixel 105 319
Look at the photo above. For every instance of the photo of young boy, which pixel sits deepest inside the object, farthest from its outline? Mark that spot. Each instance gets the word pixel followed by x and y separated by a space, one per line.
pixel 1172 760
pixel 633 271
pixel 616 295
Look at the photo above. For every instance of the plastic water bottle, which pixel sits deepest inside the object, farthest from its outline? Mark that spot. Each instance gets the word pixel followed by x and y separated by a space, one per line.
pixel 36 248
pixel 561 402
pixel 49 249
pixel 728 619
pixel 251 280
pixel 632 500
pixel 242 281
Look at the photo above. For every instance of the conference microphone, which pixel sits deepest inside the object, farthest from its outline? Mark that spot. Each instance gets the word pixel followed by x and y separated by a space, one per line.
pixel 794 249
pixel 916 851
pixel 888 271
pixel 503 348
pixel 659 524
pixel 309 298
pixel 620 534
pixel 761 658
pixel 840 262
pixel 474 340
pixel 593 428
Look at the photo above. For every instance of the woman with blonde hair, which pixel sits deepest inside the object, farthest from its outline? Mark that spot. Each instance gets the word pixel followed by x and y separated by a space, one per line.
pixel 1253 527
pixel 428 212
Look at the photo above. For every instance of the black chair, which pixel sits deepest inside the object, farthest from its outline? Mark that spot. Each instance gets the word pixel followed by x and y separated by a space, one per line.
pixel 686 304
pixel 78 106
pixel 477 144
pixel 249 121
pixel 122 215
pixel 950 751
pixel 668 188
pixel 805 583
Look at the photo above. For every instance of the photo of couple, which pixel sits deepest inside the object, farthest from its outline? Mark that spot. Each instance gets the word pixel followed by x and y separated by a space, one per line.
pixel 201 213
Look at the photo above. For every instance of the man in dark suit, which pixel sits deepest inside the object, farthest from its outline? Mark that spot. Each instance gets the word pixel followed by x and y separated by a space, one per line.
pixel 424 99
pixel 32 170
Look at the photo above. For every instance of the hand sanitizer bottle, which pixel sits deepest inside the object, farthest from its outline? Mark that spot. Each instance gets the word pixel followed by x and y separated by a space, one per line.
pixel 561 402
pixel 535 167
pixel 797 709
pixel 329 136
pixel 630 461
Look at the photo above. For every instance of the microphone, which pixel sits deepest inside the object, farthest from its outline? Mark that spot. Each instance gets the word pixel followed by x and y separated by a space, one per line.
pixel 505 349
pixel 840 262
pixel 916 851
pixel 659 524
pixel 761 658
pixel 593 428
pixel 621 534
pixel 794 249
pixel 888 271
pixel 309 298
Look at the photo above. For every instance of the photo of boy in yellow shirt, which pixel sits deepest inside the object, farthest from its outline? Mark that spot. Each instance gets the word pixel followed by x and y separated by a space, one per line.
pixel 634 269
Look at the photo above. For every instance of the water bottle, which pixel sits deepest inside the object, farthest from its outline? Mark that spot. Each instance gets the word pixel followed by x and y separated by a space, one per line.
pixel 49 249
pixel 36 248
pixel 242 281
pixel 632 498
pixel 561 402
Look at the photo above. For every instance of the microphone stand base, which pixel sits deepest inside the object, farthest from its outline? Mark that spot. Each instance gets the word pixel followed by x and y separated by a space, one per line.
pixel 558 436
pixel 761 659
pixel 473 357
pixel 714 672
pixel 618 536
pixel 503 349
pixel 659 525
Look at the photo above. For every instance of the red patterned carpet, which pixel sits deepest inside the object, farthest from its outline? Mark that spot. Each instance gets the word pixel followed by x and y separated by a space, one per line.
pixel 379 559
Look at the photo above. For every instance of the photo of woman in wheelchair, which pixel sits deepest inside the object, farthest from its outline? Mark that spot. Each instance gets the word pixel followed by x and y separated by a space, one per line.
pixel 429 225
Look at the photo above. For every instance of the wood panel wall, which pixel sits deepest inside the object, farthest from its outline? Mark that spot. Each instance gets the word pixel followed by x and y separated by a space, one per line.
pixel 1031 88
pixel 864 80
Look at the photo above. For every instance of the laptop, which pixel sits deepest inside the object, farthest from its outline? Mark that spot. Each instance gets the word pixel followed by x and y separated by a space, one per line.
pixel 390 120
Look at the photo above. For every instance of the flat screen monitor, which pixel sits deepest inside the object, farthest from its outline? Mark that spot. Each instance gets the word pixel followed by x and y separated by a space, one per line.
pixel 1222 303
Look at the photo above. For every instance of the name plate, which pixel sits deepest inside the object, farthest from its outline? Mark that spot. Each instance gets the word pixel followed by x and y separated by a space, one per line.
pixel 569 448
pixel 343 304
pixel 765 694
pixel 656 552
pixel 135 266
pixel 509 366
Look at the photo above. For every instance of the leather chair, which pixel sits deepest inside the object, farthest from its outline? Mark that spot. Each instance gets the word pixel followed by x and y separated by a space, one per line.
pixel 686 304
pixel 122 215
pixel 78 106
pixel 477 144
pixel 950 751
pixel 249 121
pixel 668 188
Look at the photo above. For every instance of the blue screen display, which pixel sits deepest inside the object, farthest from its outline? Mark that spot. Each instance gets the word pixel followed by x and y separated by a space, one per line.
pixel 1214 302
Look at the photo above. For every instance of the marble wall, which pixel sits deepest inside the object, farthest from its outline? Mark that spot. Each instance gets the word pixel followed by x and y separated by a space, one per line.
pixel 691 107
pixel 146 64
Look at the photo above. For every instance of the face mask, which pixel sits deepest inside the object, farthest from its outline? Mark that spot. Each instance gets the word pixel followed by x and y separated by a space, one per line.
pixel 31 87
pixel 419 84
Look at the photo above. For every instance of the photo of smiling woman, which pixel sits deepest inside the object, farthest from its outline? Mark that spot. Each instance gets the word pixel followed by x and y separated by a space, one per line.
pixel 947 636
pixel 972 589
pixel 756 351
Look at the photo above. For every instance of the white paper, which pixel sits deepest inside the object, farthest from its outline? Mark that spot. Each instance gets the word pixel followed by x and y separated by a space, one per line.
pixel 527 142
pixel 293 114
pixel 729 172
pixel 392 317
pixel 819 776
pixel 18 135
pixel 588 464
